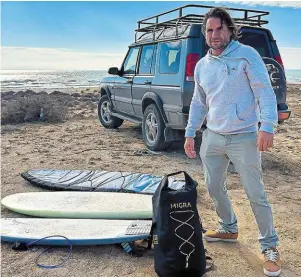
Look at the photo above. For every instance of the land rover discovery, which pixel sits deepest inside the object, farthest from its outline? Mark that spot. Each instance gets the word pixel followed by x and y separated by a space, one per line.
pixel 155 83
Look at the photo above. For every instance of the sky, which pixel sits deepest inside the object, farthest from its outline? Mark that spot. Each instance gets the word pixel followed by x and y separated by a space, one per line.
pixel 95 35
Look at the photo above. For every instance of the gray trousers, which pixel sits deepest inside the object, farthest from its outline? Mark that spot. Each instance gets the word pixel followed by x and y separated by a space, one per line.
pixel 216 152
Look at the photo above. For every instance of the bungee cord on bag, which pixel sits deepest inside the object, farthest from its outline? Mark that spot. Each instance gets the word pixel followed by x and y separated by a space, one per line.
pixel 185 240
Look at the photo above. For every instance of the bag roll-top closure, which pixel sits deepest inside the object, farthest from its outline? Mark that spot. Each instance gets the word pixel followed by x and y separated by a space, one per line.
pixel 189 183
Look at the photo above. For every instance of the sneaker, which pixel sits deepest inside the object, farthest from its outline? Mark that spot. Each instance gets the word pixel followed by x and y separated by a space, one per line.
pixel 220 235
pixel 272 263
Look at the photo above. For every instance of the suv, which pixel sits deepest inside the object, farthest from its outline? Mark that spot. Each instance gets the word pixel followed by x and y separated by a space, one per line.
pixel 155 83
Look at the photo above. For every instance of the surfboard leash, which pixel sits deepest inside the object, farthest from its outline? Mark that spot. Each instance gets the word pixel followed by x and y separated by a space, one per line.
pixel 26 246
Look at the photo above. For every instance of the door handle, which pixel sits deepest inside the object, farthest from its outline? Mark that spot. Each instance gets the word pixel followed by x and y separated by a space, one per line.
pixel 147 82
pixel 129 81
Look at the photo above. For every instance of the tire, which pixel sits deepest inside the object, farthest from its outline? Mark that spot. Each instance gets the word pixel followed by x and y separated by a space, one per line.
pixel 104 114
pixel 153 129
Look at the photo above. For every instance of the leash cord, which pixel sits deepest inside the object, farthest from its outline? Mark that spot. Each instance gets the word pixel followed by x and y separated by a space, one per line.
pixel 45 251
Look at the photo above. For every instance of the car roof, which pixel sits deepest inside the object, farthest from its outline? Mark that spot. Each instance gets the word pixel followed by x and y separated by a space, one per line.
pixel 186 21
pixel 180 32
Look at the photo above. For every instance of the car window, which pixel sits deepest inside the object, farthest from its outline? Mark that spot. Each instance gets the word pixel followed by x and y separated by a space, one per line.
pixel 257 41
pixel 146 59
pixel 129 66
pixel 170 57
pixel 154 60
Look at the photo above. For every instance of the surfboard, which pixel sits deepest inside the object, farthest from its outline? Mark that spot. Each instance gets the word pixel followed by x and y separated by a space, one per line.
pixel 78 231
pixel 98 180
pixel 75 204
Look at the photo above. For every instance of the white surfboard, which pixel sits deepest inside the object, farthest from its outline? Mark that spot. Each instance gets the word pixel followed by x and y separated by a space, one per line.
pixel 78 231
pixel 71 204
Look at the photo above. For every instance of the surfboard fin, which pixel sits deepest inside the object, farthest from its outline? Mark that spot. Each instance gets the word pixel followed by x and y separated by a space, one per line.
pixel 20 246
pixel 130 248
pixel 133 248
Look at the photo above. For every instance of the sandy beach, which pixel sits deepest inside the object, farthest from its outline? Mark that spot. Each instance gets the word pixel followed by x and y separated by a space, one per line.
pixel 82 143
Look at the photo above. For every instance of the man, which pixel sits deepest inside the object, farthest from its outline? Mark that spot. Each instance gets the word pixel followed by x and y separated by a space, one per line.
pixel 231 81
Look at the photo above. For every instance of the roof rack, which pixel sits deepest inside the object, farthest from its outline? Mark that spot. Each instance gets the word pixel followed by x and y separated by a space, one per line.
pixel 248 17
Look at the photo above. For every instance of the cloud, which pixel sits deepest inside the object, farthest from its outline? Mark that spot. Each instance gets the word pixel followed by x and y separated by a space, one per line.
pixel 51 58
pixel 281 4
pixel 291 57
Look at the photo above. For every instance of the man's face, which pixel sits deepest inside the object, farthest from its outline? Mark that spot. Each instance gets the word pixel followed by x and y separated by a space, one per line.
pixel 217 34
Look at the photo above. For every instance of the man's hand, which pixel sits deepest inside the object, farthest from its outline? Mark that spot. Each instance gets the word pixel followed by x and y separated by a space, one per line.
pixel 264 140
pixel 189 148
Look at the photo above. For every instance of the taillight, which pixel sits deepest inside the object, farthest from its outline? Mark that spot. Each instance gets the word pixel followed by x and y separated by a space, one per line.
pixel 191 61
pixel 279 60
pixel 283 115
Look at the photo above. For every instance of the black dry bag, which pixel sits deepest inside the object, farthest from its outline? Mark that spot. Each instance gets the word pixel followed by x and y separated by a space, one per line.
pixel 177 231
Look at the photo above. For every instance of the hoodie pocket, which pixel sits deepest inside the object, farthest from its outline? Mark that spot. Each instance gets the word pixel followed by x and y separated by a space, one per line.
pixel 224 115
pixel 243 113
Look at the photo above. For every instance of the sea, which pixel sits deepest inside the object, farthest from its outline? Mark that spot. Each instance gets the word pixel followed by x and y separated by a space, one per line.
pixel 50 80
pixel 38 80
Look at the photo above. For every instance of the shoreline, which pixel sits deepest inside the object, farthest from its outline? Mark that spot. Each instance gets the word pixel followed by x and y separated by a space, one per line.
pixel 50 90
pixel 70 90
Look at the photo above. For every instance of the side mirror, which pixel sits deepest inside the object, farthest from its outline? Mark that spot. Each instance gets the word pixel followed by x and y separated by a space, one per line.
pixel 113 71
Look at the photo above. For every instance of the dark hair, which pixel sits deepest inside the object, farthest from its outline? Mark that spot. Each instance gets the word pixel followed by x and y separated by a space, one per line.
pixel 225 18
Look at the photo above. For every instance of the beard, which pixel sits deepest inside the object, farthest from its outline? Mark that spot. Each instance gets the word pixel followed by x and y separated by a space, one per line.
pixel 222 44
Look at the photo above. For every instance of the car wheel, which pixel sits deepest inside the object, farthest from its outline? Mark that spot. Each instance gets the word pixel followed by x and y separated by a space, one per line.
pixel 153 129
pixel 105 114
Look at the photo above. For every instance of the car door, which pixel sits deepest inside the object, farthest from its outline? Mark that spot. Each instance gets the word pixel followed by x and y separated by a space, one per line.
pixel 143 79
pixel 123 83
pixel 169 76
